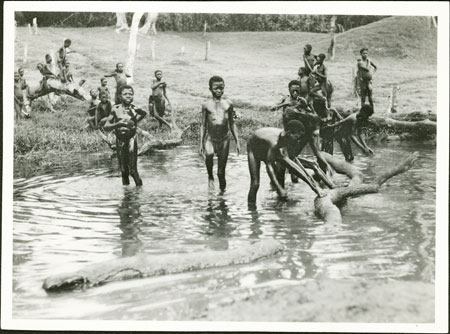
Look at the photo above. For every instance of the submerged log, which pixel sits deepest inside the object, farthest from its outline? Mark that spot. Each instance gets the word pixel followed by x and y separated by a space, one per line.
pixel 146 265
pixel 425 127
pixel 327 207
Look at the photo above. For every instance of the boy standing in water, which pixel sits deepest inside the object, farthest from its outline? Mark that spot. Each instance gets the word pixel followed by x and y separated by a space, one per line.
pixel 216 123
pixel 365 65
pixel 123 120
pixel 349 129
pixel 121 80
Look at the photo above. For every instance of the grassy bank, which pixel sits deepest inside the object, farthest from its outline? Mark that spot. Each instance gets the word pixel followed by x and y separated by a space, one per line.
pixel 256 67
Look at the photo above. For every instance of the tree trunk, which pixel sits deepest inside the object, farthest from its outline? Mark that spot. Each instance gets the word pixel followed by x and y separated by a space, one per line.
pixel 147 265
pixel 121 22
pixel 326 207
pixel 132 44
pixel 425 127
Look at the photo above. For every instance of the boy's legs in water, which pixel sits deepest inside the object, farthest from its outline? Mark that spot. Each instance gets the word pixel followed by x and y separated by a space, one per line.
pixel 209 161
pixel 254 166
pixel 222 149
pixel 127 155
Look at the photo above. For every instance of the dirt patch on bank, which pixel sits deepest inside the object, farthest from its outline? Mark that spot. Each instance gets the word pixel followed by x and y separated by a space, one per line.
pixel 334 301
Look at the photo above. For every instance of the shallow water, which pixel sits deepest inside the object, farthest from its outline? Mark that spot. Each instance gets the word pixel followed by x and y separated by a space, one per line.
pixel 71 218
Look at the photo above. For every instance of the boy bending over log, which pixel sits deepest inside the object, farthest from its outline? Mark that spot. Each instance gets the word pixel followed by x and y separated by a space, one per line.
pixel 267 144
pixel 123 119
pixel 216 123
pixel 349 129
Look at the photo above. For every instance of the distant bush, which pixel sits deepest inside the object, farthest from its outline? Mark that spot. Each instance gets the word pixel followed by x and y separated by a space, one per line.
pixel 186 22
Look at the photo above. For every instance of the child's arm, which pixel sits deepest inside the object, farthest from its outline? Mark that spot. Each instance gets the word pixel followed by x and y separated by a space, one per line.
pixel 127 75
pixel 335 112
pixel 165 95
pixel 366 148
pixel 307 63
pixel 203 124
pixel 156 84
pixel 345 120
pixel 233 128
pixel 282 103
pixel 141 113
pixel 109 75
pixel 374 66
pixel 314 144
pixel 325 72
pixel 111 125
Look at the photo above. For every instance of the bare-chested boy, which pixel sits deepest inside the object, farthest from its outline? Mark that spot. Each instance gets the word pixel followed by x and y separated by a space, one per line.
pixel 65 75
pixel 273 145
pixel 157 101
pixel 121 80
pixel 320 73
pixel 365 72
pixel 104 88
pixel 19 101
pixel 123 119
pixel 305 83
pixel 63 52
pixel 216 123
pixel 308 58
pixel 349 129
pixel 292 98
pixel 102 111
pixel 327 117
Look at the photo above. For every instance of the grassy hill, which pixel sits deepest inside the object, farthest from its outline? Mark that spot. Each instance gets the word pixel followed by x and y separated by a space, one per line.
pixel 256 66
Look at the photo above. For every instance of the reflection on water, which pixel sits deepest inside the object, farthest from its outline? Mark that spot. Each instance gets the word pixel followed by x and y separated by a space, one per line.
pixel 70 218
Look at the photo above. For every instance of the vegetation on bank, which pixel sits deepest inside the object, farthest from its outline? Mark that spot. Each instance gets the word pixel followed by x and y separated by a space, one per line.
pixel 189 22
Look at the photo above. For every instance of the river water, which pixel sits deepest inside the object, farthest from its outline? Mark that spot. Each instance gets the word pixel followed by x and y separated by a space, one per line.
pixel 70 218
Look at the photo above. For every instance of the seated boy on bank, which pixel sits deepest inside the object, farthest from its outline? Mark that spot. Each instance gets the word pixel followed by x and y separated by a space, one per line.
pixel 349 129
pixel 123 120
pixel 268 145
pixel 216 123
pixel 102 111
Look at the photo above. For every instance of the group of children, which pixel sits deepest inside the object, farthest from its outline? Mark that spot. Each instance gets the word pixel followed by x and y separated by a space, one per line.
pixel 307 118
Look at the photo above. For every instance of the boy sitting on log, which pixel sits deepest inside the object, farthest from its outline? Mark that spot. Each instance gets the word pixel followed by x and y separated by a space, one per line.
pixel 267 144
pixel 216 123
pixel 123 119
pixel 349 129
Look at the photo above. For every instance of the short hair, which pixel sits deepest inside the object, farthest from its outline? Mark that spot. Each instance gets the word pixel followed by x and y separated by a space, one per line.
pixel 215 78
pixel 294 82
pixel 322 56
pixel 117 65
pixel 101 80
pixel 303 69
pixel 308 46
pixel 20 68
pixel 295 126
pixel 103 93
pixel 363 49
pixel 158 71
pixel 366 110
pixel 126 87
pixel 67 41
pixel 92 90
pixel 48 57
pixel 39 64
pixel 16 75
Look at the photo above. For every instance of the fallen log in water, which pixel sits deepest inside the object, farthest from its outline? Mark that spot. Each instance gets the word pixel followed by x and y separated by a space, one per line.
pixel 424 127
pixel 326 207
pixel 145 265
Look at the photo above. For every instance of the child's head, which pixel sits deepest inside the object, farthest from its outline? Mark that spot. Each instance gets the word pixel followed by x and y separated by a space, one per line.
pixel 126 94
pixel 321 57
pixel 364 52
pixel 93 93
pixel 103 81
pixel 294 88
pixel 67 43
pixel 48 58
pixel 21 71
pixel 119 67
pixel 216 85
pixel 158 74
pixel 16 77
pixel 66 63
pixel 294 131
pixel 103 97
pixel 39 66
pixel 301 71
pixel 365 112
pixel 307 48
